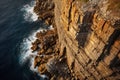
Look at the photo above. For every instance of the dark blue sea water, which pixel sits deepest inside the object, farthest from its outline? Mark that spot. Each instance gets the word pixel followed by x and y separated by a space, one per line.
pixel 16 25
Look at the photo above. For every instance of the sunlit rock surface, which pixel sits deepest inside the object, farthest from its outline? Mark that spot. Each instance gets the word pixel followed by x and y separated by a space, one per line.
pixel 85 41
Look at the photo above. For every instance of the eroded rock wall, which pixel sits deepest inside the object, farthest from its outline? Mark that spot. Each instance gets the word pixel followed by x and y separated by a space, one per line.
pixel 88 44
pixel 91 42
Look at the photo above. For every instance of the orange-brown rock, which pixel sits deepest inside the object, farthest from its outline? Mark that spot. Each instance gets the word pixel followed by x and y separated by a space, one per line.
pixel 84 44
pixel 45 10
pixel 89 40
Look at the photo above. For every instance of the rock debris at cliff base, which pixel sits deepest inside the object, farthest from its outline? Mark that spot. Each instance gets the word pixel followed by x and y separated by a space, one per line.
pixel 84 44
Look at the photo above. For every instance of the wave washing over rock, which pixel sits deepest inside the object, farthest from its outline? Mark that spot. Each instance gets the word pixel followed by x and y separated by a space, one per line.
pixel 61 54
pixel 68 56
pixel 29 14
pixel 25 48
pixel 27 54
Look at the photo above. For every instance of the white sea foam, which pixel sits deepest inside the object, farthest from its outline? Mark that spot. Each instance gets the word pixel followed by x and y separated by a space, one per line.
pixel 29 14
pixel 51 27
pixel 25 48
pixel 26 51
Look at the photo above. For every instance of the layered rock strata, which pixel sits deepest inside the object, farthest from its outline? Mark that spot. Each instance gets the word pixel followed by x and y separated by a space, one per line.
pixel 85 44
pixel 45 10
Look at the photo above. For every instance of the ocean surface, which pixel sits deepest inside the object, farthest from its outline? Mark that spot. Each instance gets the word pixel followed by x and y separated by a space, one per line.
pixel 18 26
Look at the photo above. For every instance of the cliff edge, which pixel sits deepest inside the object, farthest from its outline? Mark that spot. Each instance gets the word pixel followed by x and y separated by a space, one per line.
pixel 85 41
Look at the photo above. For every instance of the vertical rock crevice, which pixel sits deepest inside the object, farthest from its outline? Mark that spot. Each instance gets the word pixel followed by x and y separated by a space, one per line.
pixel 85 45
pixel 85 28
pixel 106 51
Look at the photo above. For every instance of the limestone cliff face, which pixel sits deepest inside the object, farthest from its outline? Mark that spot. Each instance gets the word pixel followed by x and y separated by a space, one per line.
pixel 88 40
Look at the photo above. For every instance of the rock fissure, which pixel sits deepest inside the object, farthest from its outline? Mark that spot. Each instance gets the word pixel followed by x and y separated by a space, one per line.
pixel 83 45
pixel 107 48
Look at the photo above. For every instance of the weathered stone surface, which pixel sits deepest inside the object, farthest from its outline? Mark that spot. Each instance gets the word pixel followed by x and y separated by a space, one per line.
pixel 45 10
pixel 93 42
pixel 84 44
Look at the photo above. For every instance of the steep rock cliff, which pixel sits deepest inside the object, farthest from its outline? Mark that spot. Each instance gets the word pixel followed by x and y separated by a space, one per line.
pixel 87 46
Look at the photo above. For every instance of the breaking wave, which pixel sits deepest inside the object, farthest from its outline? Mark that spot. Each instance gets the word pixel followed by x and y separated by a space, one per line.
pixel 26 51
pixel 29 14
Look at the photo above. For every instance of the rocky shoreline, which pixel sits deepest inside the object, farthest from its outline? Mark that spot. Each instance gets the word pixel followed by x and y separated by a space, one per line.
pixel 70 50
pixel 49 60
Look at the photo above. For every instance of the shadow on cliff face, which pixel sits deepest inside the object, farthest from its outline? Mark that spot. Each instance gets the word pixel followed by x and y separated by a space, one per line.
pixel 106 51
pixel 85 28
